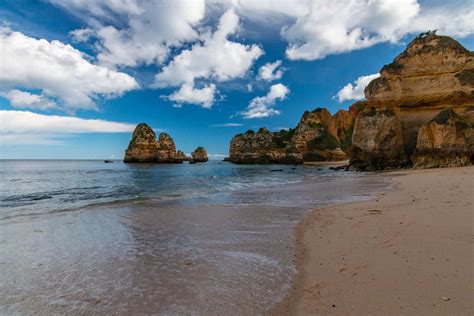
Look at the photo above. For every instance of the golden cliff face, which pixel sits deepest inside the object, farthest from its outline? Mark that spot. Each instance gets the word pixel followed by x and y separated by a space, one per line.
pixel 316 137
pixel 319 136
pixel 432 71
pixel 144 147
pixel 432 74
pixel 445 141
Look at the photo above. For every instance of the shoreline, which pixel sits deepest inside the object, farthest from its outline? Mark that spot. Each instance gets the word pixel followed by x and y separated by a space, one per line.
pixel 406 251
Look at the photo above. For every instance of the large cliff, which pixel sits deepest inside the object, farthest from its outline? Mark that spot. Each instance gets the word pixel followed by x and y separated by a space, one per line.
pixel 144 147
pixel 319 136
pixel 432 74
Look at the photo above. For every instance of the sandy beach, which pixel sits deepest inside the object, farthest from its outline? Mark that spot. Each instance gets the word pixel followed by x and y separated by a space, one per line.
pixel 407 252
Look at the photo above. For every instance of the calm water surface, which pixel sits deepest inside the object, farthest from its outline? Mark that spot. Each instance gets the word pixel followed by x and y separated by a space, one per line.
pixel 84 237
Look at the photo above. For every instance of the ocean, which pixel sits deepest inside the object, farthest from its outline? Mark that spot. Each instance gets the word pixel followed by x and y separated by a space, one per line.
pixel 85 237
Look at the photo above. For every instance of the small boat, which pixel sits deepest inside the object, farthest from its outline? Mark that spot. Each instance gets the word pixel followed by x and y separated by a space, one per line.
pixel 108 161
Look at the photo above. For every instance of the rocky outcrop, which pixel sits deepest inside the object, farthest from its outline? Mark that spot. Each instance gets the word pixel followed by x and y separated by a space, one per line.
pixel 319 136
pixel 180 155
pixel 445 141
pixel 433 73
pixel 199 155
pixel 377 140
pixel 315 137
pixel 144 147
pixel 264 147
pixel 344 123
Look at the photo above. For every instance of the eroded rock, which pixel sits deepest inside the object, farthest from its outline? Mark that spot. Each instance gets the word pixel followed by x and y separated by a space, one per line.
pixel 144 147
pixel 199 155
pixel 445 141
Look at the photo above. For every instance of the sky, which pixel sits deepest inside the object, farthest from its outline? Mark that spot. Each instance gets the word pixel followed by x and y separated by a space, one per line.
pixel 76 76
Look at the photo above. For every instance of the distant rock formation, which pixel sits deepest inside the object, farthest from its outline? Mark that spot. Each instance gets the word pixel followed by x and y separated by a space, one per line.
pixel 264 147
pixel 144 147
pixel 319 136
pixel 199 155
pixel 397 125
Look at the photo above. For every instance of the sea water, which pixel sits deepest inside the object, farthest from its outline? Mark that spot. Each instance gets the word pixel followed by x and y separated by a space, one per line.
pixel 85 237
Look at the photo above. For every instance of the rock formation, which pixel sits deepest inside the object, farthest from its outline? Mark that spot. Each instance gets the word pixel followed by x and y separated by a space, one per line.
pixel 433 73
pixel 144 147
pixel 199 155
pixel 263 147
pixel 445 141
pixel 319 136
pixel 315 137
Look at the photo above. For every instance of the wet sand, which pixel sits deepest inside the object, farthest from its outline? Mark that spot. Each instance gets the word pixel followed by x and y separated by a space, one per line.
pixel 407 252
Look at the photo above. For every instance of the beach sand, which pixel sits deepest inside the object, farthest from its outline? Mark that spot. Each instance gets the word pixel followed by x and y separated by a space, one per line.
pixel 407 252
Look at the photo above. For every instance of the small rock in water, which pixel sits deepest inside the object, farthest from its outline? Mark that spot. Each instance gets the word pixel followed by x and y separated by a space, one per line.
pixel 273 170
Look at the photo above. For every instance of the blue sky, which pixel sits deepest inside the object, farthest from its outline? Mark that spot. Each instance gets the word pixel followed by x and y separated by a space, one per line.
pixel 194 69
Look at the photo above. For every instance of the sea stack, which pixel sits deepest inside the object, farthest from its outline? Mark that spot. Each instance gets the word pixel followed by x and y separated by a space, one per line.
pixel 144 147
pixel 420 110
pixel 199 155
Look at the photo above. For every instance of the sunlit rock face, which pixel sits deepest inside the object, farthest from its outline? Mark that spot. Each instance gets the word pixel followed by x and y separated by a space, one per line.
pixel 144 147
pixel 433 73
pixel 316 138
pixel 319 136
pixel 264 147
pixel 199 155
pixel 377 140
pixel 445 141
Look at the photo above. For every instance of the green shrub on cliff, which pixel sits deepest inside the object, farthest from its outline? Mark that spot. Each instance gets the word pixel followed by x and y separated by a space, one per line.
pixel 281 138
pixel 325 141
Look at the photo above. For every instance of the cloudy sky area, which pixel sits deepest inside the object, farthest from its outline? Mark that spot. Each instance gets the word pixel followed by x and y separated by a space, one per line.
pixel 77 76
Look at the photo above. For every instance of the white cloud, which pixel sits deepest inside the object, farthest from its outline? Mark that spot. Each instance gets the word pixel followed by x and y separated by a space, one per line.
pixel 227 125
pixel 215 58
pixel 263 106
pixel 216 156
pixel 58 70
pixel 103 8
pixel 189 94
pixel 318 28
pixel 22 99
pixel 331 27
pixel 24 127
pixel 356 91
pixel 270 71
pixel 82 35
pixel 455 18
pixel 151 28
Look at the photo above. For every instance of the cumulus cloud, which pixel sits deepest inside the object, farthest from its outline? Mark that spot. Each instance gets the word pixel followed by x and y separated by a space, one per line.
pixel 270 71
pixel 263 106
pixel 22 99
pixel 189 94
pixel 214 58
pixel 355 91
pixel 58 70
pixel 331 27
pixel 148 29
pixel 315 29
pixel 24 127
